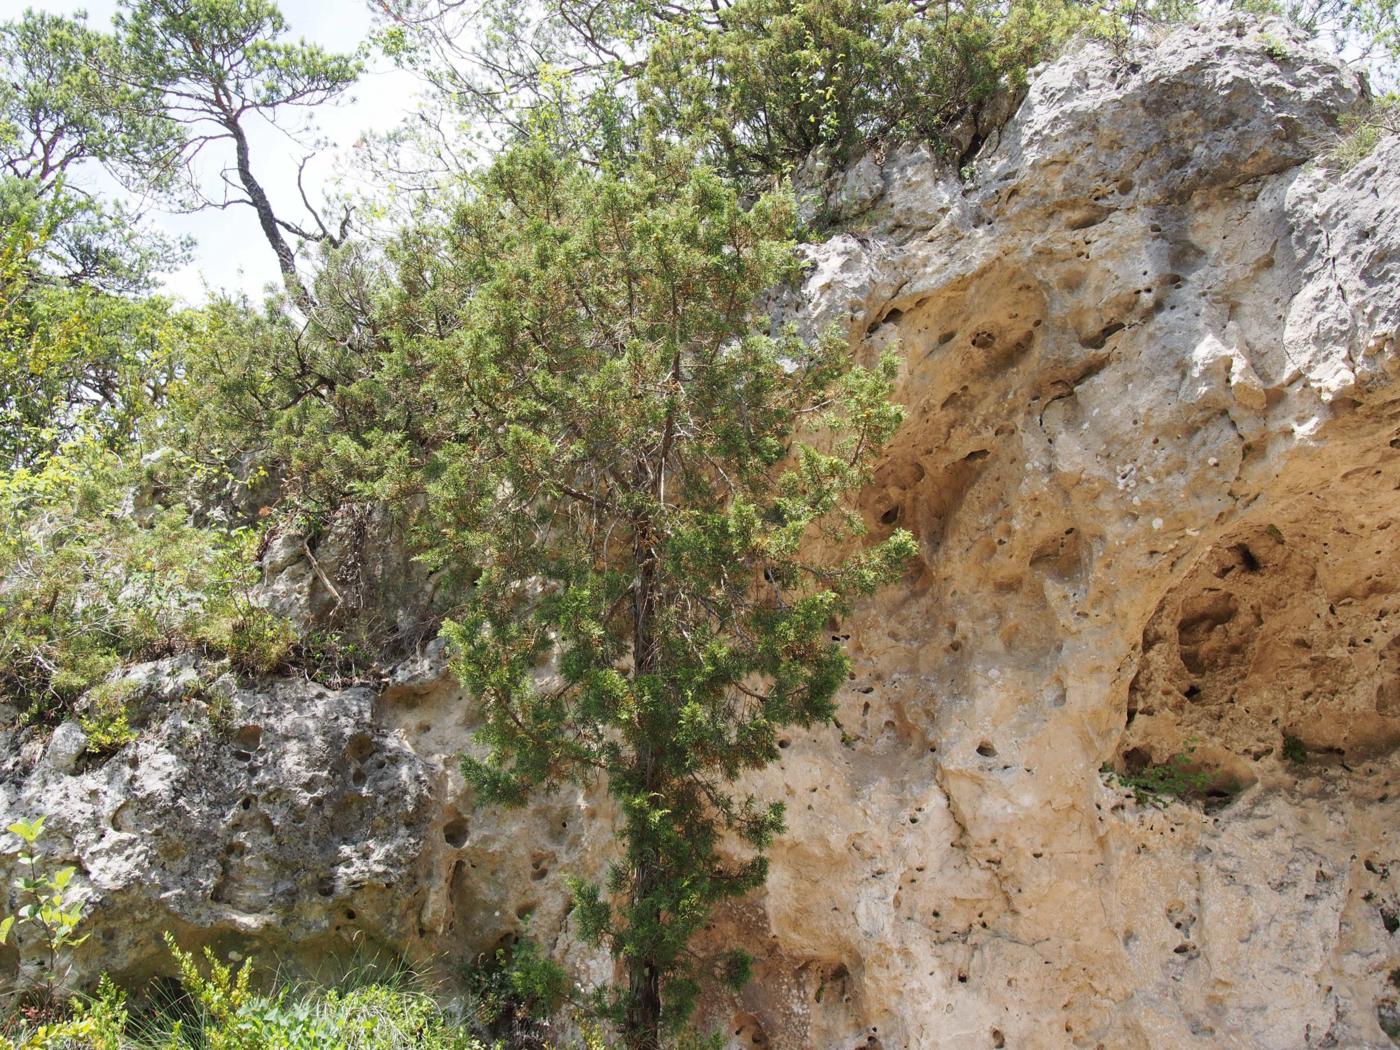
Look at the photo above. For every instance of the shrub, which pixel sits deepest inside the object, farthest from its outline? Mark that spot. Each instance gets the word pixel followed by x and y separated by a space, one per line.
pixel 50 913
pixel 769 81
pixel 1176 779
pixel 220 1009
pixel 1294 750
pixel 106 720
pixel 1362 132
pixel 88 581
pixel 516 988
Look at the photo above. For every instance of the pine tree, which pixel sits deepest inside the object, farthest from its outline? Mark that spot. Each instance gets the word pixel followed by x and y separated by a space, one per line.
pixel 640 474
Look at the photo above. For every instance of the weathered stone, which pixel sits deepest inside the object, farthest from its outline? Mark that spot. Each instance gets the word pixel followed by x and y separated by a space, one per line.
pixel 66 746
pixel 283 819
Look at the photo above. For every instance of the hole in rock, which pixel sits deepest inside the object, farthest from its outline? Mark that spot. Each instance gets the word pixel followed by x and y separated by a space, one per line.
pixel 1136 759
pixel 986 750
pixel 455 833
pixel 359 747
pixel 1097 340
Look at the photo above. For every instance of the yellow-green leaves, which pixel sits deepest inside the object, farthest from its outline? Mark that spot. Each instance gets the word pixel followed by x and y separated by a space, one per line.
pixel 49 913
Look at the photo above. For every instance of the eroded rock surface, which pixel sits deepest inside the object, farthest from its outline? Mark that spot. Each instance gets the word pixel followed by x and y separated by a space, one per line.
pixel 1148 356
pixel 284 820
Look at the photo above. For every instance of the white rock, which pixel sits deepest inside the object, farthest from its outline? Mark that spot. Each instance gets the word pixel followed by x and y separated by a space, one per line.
pixel 66 746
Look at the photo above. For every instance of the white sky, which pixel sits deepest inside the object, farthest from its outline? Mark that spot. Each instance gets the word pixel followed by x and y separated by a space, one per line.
pixel 230 251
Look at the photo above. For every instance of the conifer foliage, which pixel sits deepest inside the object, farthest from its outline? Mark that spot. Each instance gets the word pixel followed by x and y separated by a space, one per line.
pixel 633 464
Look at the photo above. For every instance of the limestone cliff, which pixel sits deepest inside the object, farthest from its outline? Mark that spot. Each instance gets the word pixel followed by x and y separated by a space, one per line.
pixel 1149 352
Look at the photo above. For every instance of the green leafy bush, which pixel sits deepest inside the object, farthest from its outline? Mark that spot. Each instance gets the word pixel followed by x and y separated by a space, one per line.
pixel 769 81
pixel 515 988
pixel 106 721
pixel 76 360
pixel 1179 778
pixel 88 581
pixel 219 1008
pixel 50 912
pixel 1294 750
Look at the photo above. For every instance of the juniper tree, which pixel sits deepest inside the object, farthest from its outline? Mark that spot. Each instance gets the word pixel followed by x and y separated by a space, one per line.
pixel 650 484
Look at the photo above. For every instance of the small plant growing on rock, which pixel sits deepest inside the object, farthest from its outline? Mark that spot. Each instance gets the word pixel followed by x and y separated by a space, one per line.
pixel 516 990
pixel 1362 132
pixel 1294 750
pixel 107 722
pixel 49 911
pixel 1161 784
pixel 233 1017
pixel 99 1023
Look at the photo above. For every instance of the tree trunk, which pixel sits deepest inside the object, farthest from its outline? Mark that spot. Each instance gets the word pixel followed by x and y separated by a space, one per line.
pixel 267 219
pixel 641 1024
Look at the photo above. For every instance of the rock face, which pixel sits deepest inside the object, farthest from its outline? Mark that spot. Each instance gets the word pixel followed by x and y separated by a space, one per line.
pixel 284 819
pixel 1149 353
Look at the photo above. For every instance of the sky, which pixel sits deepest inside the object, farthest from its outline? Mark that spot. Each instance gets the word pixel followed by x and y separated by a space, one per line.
pixel 230 252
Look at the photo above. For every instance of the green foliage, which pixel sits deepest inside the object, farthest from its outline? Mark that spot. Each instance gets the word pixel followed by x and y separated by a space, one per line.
pixel 310 404
pixel 75 361
pixel 211 66
pixel 770 81
pixel 1362 132
pixel 515 988
pixel 99 1023
pixel 618 454
pixel 585 430
pixel 232 1017
pixel 50 912
pixel 755 85
pixel 211 57
pixel 87 582
pixel 758 85
pixel 220 1009
pixel 70 94
pixel 1176 779
pixel 106 722
pixel 1294 750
